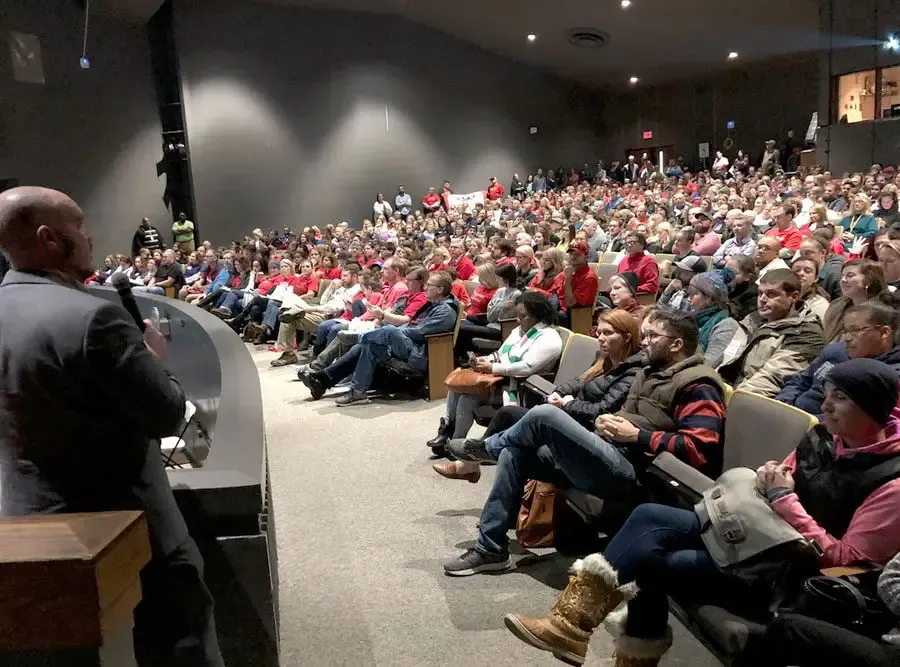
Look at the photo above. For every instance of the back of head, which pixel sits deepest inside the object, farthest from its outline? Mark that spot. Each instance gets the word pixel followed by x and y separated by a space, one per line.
pixel 539 307
pixel 507 273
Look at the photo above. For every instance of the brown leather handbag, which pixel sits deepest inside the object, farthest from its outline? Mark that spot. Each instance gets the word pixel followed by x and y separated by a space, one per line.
pixel 534 527
pixel 467 381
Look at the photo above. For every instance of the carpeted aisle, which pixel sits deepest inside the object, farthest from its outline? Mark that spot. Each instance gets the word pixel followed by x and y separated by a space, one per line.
pixel 363 526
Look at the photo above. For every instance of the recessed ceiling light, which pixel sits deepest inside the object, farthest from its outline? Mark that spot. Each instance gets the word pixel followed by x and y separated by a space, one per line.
pixel 633 79
pixel 531 37
pixel 732 55
pixel 626 4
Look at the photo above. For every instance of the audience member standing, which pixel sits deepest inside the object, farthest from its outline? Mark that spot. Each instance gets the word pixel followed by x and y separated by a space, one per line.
pixel 403 203
pixel 183 231
pixel 147 236
pixel 431 202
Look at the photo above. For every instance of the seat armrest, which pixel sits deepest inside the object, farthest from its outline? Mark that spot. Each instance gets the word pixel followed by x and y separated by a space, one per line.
pixel 680 473
pixel 435 336
pixel 539 385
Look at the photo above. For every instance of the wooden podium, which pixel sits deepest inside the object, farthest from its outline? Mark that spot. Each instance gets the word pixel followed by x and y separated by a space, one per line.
pixel 69 584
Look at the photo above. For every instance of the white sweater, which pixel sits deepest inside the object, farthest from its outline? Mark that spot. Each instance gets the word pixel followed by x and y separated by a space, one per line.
pixel 535 355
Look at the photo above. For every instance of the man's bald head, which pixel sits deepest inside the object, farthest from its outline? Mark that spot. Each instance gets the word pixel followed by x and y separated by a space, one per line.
pixel 42 229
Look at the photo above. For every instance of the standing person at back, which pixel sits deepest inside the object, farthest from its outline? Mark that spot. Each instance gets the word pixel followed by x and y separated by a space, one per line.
pixel 183 231
pixel 72 436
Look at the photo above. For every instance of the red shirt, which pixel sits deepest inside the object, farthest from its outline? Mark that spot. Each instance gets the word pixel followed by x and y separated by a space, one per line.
pixel 465 267
pixel 495 191
pixel 414 304
pixel 304 285
pixel 646 269
pixel 556 286
pixel 332 274
pixel 480 300
pixel 791 238
pixel 431 201
pixel 268 286
pixel 585 285
pixel 506 260
pixel 461 293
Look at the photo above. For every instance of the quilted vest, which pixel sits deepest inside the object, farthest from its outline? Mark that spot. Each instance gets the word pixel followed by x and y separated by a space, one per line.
pixel 649 404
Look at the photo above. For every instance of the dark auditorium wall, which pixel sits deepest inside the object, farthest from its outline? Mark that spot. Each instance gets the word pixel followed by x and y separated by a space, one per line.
pixel 765 100
pixel 286 114
pixel 91 133
pixel 855 31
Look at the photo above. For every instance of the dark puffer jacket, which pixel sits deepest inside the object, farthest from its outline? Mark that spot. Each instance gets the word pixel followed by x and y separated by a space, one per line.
pixel 604 394
pixel 806 390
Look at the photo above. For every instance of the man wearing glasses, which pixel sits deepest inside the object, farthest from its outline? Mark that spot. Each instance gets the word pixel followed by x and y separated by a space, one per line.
pixel 870 330
pixel 675 404
pixel 405 342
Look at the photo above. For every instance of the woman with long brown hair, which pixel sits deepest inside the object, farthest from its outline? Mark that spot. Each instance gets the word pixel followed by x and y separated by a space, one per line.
pixel 601 389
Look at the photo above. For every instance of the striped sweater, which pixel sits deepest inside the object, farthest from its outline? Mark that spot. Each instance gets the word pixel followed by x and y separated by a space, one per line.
pixel 700 418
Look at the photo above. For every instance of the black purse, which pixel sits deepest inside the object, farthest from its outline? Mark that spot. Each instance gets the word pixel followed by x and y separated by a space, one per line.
pixel 851 602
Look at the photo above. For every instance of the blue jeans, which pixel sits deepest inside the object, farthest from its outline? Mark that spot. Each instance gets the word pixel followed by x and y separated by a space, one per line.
pixel 373 347
pixel 232 300
pixel 659 547
pixel 270 318
pixel 550 446
pixel 325 333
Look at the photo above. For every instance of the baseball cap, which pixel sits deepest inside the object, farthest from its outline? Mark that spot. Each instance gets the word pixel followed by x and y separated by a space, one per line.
pixel 693 263
pixel 578 246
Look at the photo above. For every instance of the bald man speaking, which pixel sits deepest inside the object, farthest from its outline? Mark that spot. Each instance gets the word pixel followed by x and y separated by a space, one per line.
pixel 83 399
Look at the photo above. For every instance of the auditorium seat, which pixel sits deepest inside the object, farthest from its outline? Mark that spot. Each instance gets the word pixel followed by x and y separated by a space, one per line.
pixel 605 272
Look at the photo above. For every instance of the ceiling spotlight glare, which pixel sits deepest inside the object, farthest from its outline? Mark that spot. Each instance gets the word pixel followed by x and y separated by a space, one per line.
pixel 892 43
pixel 626 4
pixel 633 79
pixel 732 55
pixel 531 37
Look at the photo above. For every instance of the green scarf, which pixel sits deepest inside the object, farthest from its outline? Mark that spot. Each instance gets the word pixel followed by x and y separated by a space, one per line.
pixel 707 319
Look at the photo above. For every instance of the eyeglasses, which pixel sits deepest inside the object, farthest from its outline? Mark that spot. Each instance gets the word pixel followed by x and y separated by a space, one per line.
pixel 855 331
pixel 655 335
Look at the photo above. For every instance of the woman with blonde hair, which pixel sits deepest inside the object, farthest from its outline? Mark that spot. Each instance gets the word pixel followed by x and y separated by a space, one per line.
pixel 859 221
pixel 525 268
pixel 601 389
pixel 439 260
pixel 663 240
pixel 488 283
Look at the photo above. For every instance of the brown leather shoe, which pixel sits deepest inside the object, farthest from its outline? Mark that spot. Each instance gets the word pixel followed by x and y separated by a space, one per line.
pixel 448 469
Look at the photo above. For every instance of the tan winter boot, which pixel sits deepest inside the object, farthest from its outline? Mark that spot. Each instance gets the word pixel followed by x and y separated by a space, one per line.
pixel 592 593
pixel 634 652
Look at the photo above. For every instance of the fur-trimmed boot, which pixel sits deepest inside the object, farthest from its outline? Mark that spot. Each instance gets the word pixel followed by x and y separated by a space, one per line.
pixel 635 652
pixel 592 593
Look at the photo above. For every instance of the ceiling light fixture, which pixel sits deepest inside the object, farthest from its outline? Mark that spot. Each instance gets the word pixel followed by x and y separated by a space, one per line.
pixel 732 55
pixel 892 43
pixel 531 37
pixel 633 79
pixel 626 4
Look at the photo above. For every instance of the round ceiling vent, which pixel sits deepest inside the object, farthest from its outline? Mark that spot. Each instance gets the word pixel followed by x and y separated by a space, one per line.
pixel 588 38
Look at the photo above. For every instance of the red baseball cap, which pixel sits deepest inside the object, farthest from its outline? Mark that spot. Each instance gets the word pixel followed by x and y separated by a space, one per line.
pixel 578 246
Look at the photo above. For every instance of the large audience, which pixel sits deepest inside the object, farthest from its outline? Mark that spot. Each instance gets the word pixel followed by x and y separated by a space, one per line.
pixel 739 278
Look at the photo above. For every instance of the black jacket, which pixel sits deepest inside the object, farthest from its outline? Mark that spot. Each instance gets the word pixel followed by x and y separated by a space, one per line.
pixel 743 300
pixel 145 237
pixel 604 394
pixel 830 276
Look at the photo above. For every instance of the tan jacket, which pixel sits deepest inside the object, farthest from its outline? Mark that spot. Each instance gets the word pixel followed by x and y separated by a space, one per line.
pixel 761 358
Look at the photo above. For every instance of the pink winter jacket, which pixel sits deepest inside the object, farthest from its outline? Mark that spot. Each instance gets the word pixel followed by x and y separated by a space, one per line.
pixel 874 532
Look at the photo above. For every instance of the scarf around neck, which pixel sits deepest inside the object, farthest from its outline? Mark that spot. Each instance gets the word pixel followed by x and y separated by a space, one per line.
pixel 707 319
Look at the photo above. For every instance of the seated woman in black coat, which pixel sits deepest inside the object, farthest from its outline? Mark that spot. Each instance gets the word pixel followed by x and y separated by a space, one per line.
pixel 601 389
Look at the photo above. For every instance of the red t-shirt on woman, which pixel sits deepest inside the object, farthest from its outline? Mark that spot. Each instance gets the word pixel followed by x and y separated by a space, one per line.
pixel 480 300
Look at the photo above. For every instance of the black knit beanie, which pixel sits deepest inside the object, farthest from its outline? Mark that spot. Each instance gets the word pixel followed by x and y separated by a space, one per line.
pixel 631 280
pixel 871 384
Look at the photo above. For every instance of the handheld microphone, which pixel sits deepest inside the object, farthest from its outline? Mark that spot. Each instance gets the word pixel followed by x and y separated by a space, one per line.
pixel 123 287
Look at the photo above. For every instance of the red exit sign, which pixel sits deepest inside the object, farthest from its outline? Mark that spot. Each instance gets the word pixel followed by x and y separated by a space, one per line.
pixel 648 134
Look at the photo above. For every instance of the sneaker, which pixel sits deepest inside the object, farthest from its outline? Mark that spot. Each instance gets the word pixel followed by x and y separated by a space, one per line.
pixel 318 384
pixel 469 449
pixel 353 397
pixel 298 369
pixel 473 562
